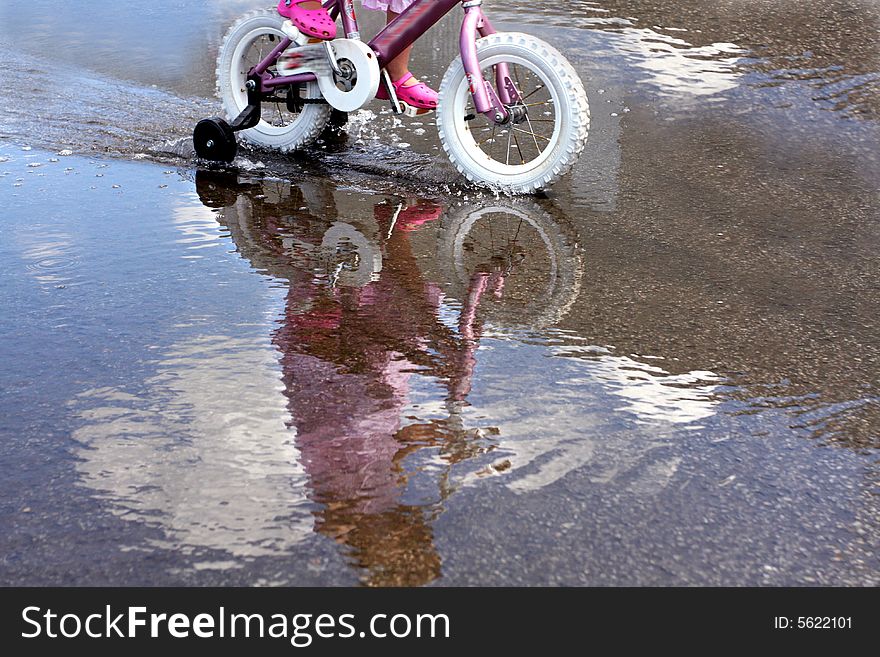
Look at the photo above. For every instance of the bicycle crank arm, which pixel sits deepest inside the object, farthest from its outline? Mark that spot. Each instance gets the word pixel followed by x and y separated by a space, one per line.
pixel 392 92
pixel 331 58
pixel 312 58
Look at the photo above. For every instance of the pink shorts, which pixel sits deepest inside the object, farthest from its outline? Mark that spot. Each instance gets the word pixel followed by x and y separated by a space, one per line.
pixel 396 6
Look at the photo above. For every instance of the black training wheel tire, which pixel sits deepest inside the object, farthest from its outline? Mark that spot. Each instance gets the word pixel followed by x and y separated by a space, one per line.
pixel 214 140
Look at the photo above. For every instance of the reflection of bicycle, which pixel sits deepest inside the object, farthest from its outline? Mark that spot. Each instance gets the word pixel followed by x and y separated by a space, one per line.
pixel 513 112
pixel 305 214
pixel 526 250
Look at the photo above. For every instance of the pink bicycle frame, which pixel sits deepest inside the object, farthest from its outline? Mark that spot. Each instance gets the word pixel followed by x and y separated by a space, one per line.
pixel 401 33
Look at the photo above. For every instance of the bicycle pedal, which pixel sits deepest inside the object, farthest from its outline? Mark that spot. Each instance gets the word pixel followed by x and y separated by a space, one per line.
pixel 413 112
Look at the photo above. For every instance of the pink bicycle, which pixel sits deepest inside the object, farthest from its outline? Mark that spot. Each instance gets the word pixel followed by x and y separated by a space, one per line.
pixel 512 115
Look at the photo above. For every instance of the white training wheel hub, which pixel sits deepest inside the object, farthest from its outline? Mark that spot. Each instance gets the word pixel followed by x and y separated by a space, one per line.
pixel 348 83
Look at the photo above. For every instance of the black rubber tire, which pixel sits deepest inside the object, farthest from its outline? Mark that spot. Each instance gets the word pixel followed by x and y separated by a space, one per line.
pixel 214 140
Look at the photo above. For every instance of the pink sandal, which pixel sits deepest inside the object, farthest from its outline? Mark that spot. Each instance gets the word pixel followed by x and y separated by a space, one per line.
pixel 420 95
pixel 311 22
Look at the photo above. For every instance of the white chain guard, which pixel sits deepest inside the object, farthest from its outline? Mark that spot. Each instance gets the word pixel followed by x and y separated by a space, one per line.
pixel 361 57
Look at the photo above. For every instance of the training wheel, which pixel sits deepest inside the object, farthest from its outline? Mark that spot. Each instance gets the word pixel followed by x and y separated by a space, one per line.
pixel 214 140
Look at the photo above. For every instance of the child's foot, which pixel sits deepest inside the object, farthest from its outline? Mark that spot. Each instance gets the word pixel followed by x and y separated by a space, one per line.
pixel 412 92
pixel 310 17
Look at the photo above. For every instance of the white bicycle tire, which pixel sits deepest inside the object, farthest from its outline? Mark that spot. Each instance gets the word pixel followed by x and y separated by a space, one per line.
pixel 308 124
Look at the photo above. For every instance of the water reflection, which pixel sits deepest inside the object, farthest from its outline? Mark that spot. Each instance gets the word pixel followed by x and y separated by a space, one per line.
pixel 380 340
pixel 49 257
pixel 417 352
pixel 668 61
pixel 202 452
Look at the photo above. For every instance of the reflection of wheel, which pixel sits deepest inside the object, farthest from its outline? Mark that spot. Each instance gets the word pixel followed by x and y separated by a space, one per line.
pixel 284 125
pixel 549 123
pixel 531 254
pixel 217 189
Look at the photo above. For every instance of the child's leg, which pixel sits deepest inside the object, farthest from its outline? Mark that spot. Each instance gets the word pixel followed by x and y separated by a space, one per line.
pixel 409 90
pixel 399 66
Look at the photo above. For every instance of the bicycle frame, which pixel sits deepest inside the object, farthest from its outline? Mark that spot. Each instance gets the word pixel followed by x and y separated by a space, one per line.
pixel 401 33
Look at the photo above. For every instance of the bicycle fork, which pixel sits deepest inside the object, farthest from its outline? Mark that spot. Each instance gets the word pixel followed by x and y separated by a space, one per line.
pixel 486 100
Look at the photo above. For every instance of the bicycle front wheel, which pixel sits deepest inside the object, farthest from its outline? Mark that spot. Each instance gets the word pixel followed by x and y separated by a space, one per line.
pixel 550 122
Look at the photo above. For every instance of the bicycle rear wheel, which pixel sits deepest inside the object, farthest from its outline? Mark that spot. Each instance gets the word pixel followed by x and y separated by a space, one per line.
pixel 549 131
pixel 281 127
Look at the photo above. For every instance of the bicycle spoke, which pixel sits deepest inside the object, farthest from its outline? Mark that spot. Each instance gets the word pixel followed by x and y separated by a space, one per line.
pixel 521 156
pixel 490 138
pixel 529 121
pixel 526 132
pixel 532 93
pixel 515 236
pixel 528 83
pixel 519 84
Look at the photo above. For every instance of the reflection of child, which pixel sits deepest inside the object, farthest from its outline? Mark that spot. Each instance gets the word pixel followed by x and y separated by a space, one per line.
pixel 312 19
pixel 348 357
